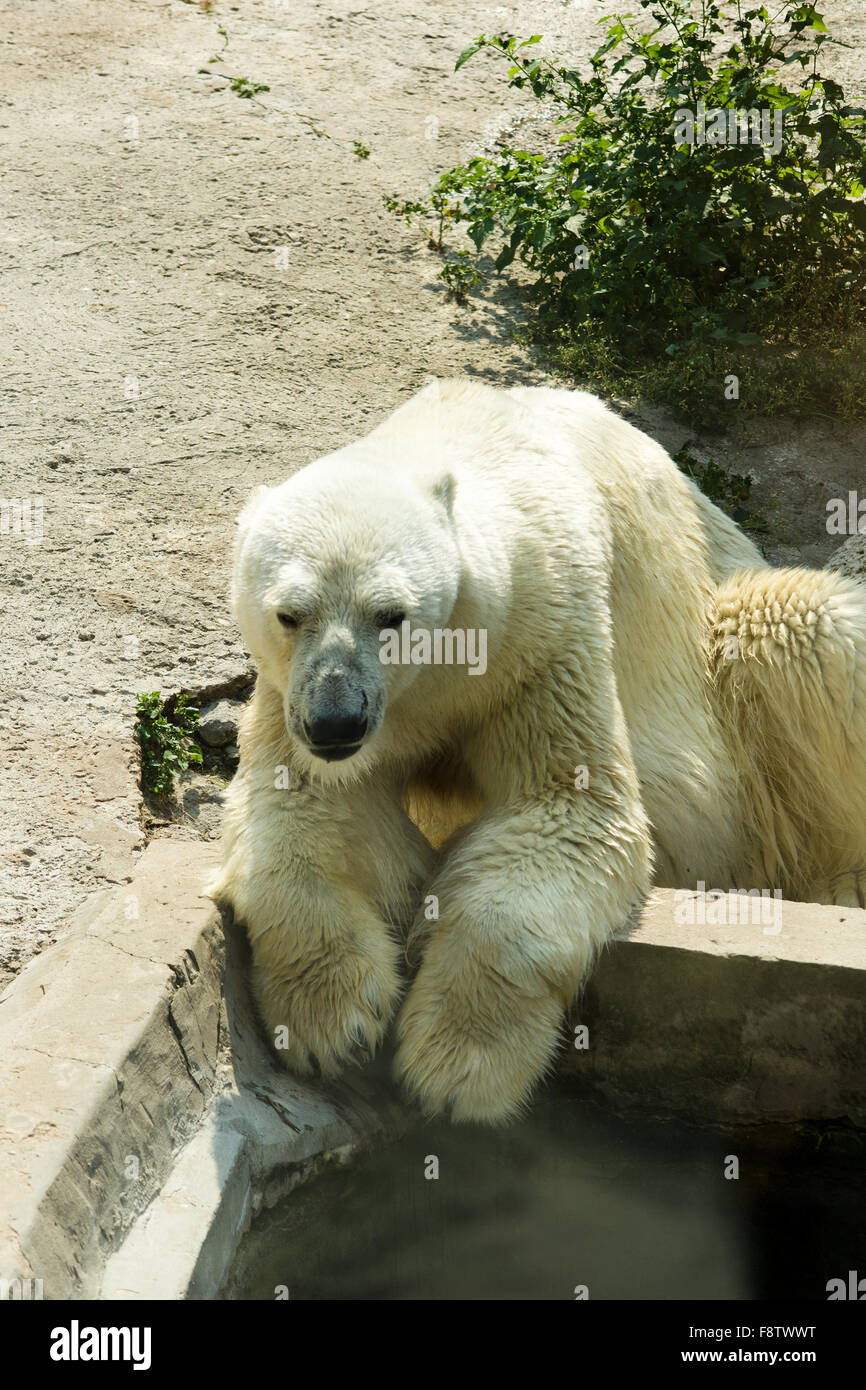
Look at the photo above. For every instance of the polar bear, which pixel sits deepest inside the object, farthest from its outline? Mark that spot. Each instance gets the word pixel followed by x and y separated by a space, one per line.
pixel 656 707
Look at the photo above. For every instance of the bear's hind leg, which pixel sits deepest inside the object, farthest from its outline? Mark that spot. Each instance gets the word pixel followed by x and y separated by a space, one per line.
pixel 789 667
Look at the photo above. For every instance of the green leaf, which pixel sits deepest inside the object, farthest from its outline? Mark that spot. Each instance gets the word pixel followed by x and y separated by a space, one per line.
pixel 469 52
pixel 480 231
pixel 705 254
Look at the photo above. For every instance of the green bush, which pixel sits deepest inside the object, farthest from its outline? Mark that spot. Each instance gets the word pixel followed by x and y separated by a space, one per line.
pixel 664 265
pixel 167 746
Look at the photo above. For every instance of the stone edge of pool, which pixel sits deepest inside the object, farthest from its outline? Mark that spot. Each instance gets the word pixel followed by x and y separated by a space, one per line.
pixel 755 1020
pixel 143 1122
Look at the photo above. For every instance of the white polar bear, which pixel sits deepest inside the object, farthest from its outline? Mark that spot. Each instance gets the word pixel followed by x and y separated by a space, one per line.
pixel 657 707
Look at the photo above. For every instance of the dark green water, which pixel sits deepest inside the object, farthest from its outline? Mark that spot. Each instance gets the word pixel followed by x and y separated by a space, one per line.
pixel 567 1197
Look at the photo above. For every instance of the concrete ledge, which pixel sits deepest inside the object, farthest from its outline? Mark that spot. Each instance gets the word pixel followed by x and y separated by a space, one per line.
pixel 264 1134
pixel 131 995
pixel 120 1047
pixel 143 1120
pixel 731 1023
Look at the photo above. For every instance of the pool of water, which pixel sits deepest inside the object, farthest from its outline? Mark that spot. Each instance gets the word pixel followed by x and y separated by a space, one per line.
pixel 569 1199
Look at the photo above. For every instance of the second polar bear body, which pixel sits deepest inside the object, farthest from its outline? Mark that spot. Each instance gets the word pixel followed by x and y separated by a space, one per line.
pixel 645 672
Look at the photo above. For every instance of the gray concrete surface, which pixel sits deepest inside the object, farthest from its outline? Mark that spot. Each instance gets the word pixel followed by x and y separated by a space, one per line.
pixel 732 1024
pixel 121 1053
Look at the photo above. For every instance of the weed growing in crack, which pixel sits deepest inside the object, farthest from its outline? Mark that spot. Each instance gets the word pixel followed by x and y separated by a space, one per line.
pixel 167 744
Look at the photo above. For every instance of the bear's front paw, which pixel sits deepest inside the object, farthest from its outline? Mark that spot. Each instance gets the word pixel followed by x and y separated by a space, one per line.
pixel 477 1049
pixel 331 1008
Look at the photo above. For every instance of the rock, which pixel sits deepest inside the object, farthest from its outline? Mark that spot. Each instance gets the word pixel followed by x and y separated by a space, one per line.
pixel 850 558
pixel 201 805
pixel 218 723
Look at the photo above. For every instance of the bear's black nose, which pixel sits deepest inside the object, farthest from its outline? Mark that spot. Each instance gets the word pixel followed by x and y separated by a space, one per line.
pixel 332 731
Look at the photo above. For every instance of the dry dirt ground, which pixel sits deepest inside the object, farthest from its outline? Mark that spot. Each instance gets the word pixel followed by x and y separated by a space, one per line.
pixel 200 293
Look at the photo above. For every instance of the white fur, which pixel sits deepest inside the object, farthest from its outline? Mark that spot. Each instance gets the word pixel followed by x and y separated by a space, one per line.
pixel 609 587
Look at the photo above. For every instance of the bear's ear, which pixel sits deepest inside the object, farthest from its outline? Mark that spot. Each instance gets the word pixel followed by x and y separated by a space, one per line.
pixel 443 490
pixel 250 508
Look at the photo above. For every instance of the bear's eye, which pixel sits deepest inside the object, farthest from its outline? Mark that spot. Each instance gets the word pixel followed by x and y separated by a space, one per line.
pixel 390 618
pixel 288 620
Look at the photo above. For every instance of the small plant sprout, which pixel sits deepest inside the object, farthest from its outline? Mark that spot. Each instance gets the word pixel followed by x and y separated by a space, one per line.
pixel 244 87
pixel 460 275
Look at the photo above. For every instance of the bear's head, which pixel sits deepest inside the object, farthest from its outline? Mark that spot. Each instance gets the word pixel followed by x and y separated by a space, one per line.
pixel 352 546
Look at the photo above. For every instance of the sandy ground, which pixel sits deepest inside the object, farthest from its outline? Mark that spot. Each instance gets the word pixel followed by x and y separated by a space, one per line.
pixel 200 294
